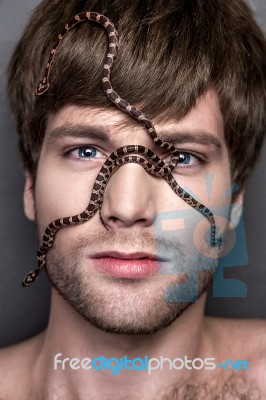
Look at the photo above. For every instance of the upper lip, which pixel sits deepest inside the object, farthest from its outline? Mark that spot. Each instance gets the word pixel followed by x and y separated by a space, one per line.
pixel 129 256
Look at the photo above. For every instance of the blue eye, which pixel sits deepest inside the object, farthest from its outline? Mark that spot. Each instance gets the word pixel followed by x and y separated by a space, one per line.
pixel 185 158
pixel 87 152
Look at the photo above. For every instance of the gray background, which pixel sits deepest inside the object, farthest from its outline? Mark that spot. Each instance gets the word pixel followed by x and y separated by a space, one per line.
pixel 24 311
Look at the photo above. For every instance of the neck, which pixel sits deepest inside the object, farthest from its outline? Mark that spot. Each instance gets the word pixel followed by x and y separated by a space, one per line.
pixel 72 336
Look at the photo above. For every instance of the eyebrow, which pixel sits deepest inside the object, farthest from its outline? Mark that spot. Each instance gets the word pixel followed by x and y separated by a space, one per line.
pixel 79 131
pixel 192 136
pixel 104 134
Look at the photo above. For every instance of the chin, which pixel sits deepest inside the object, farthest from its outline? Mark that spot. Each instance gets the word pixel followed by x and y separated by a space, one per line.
pixel 123 307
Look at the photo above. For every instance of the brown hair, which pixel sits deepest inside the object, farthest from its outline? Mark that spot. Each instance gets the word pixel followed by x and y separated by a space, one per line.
pixel 170 53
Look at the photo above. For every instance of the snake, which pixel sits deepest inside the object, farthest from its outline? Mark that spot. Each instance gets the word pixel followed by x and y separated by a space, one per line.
pixel 141 155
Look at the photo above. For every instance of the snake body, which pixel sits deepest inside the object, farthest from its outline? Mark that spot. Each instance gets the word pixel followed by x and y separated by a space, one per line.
pixel 123 155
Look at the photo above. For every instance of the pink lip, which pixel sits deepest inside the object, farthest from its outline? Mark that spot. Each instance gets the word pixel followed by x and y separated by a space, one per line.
pixel 127 265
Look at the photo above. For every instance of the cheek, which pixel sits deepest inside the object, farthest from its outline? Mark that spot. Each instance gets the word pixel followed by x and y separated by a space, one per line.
pixel 59 194
pixel 211 187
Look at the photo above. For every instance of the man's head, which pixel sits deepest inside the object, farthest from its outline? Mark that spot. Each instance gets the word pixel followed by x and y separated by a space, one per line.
pixel 175 63
pixel 169 55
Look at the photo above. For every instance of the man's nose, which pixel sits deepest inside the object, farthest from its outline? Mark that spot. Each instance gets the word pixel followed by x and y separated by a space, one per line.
pixel 129 198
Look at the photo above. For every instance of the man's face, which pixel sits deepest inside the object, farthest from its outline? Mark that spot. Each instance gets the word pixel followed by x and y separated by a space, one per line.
pixel 118 278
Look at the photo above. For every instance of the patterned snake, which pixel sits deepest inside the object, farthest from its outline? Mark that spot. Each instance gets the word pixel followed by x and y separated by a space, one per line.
pixel 127 154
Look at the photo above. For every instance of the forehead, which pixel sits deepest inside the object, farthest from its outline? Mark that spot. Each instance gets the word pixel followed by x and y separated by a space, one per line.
pixel 204 117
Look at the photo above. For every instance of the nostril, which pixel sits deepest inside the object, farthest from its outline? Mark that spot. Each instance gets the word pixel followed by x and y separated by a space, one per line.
pixel 113 219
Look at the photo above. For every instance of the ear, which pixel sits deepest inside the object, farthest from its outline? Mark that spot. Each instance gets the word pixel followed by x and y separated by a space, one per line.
pixel 236 209
pixel 28 197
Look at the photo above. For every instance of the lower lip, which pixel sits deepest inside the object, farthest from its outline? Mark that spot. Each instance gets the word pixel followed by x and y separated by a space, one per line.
pixel 121 268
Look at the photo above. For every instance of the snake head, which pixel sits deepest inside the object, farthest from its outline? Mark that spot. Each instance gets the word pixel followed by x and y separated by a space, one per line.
pixel 42 88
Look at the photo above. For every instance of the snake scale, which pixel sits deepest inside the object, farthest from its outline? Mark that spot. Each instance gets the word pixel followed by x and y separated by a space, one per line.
pixel 127 154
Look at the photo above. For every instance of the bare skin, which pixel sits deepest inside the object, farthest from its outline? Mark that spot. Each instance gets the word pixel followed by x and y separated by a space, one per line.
pixel 31 363
pixel 131 199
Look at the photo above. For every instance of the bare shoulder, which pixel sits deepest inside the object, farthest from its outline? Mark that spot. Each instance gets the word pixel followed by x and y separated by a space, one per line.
pixel 243 339
pixel 16 364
